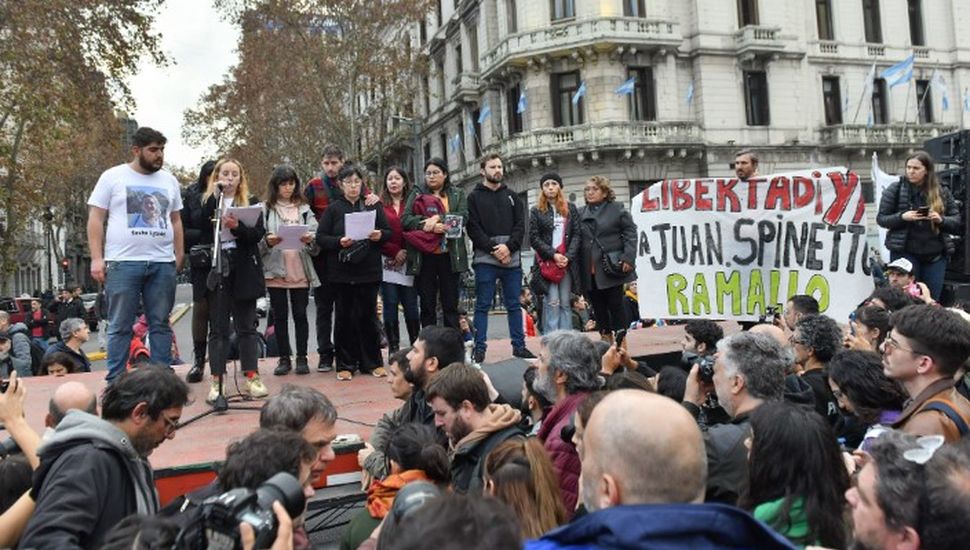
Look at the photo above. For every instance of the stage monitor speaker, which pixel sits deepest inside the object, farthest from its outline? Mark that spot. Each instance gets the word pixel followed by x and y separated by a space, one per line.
pixel 952 155
pixel 506 376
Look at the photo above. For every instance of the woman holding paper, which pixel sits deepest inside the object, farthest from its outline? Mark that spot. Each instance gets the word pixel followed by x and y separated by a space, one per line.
pixel 287 263
pixel 400 290
pixel 240 282
pixel 354 268
pixel 919 213
pixel 434 221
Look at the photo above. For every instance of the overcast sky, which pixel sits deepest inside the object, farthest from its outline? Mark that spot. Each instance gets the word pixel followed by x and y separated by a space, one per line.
pixel 201 47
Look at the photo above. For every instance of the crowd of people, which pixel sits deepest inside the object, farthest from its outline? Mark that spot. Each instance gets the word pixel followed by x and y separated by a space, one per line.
pixel 801 431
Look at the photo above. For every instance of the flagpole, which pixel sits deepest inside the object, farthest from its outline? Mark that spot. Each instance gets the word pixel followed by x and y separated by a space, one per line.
pixel 909 89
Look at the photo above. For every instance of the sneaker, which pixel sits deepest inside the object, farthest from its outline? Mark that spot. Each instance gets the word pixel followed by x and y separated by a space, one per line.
pixel 326 362
pixel 255 387
pixel 283 366
pixel 523 353
pixel 195 374
pixel 379 372
pixel 344 375
pixel 478 356
pixel 302 367
pixel 213 391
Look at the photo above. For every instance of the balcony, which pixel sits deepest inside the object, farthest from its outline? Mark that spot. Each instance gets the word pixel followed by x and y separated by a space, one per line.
pixel 754 40
pixel 896 134
pixel 826 48
pixel 604 135
pixel 643 34
pixel 466 88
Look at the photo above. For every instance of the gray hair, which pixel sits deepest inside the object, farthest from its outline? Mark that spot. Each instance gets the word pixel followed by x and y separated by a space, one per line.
pixel 4 316
pixel 69 325
pixel 898 480
pixel 750 153
pixel 573 354
pixel 822 334
pixel 294 407
pixel 760 359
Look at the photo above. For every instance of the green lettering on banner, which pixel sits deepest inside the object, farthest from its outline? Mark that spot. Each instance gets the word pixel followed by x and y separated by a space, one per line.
pixel 756 293
pixel 701 296
pixel 792 284
pixel 821 284
pixel 774 281
pixel 676 301
pixel 728 285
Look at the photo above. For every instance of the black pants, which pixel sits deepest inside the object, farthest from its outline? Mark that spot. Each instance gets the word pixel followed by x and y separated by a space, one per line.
pixel 278 301
pixel 200 327
pixel 437 280
pixel 323 298
pixel 358 343
pixel 608 308
pixel 221 305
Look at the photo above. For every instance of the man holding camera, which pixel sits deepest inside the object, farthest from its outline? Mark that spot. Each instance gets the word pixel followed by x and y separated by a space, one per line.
pixel 93 472
pixel 749 369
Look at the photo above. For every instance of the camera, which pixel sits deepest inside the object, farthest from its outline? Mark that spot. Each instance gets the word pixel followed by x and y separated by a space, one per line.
pixel 705 370
pixel 222 514
pixel 8 447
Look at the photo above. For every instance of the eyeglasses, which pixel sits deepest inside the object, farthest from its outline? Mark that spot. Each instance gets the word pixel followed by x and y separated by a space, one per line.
pixel 433 173
pixel 891 343
pixel 170 425
pixel 352 183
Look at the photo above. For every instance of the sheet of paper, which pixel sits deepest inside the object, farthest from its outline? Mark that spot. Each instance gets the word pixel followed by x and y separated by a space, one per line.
pixel 248 215
pixel 291 235
pixel 358 225
pixel 397 274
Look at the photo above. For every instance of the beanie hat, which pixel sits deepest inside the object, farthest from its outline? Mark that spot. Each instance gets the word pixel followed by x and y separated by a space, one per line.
pixel 551 176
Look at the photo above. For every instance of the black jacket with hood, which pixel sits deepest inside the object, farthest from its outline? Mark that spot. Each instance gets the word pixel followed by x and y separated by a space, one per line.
pixel 493 213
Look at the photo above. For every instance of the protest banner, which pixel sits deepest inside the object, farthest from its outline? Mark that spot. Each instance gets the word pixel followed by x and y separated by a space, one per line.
pixel 722 248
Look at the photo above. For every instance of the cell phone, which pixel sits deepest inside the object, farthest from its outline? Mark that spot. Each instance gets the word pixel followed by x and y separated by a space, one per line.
pixel 923 210
pixel 620 335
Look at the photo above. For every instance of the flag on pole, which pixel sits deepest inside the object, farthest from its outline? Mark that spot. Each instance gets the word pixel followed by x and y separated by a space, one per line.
pixel 938 84
pixel 966 100
pixel 470 127
pixel 456 142
pixel 579 93
pixel 866 98
pixel 484 113
pixel 628 87
pixel 900 73
pixel 690 93
pixel 523 103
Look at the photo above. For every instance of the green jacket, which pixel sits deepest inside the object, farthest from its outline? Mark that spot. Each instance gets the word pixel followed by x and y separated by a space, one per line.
pixel 795 530
pixel 457 249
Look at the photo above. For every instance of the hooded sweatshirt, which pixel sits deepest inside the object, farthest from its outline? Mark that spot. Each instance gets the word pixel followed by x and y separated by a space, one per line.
pixel 90 478
pixel 501 423
pixel 495 217
pixel 18 358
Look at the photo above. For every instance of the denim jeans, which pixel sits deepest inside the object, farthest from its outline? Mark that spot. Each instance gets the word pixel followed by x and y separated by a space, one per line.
pixel 485 277
pixel 127 286
pixel 394 294
pixel 556 313
pixel 931 273
pixel 40 341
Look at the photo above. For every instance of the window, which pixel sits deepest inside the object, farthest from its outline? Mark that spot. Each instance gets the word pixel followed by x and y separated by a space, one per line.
pixel 460 151
pixel 477 130
pixel 643 104
pixel 747 12
pixel 564 113
pixel 473 47
pixel 924 101
pixel 512 106
pixel 823 17
pixel 427 96
pixel 634 8
pixel 916 22
pixel 511 16
pixel 832 100
pixel 459 66
pixel 437 12
pixel 871 21
pixel 443 141
pixel 879 107
pixel 756 98
pixel 441 82
pixel 427 153
pixel 562 9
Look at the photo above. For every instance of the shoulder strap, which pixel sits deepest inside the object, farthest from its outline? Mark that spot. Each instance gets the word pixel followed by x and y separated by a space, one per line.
pixel 951 413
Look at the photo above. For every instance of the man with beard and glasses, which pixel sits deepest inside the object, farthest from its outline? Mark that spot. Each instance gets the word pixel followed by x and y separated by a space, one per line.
pixel 474 425
pixel 93 471
pixel 568 372
pixel 496 227
pixel 137 264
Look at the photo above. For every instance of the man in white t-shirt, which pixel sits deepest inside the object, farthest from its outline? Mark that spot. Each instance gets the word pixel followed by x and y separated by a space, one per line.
pixel 138 258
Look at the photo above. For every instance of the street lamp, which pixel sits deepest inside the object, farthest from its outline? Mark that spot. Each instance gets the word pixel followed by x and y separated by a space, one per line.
pixel 415 125
pixel 48 218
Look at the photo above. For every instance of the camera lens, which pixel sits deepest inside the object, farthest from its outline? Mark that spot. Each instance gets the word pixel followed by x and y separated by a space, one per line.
pixel 284 488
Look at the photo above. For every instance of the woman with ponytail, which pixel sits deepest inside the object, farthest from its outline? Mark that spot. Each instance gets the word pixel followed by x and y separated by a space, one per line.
pixel 412 454
pixel 519 473
pixel 919 214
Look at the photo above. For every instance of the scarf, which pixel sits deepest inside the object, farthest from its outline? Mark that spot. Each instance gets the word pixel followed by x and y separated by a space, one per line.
pixel 381 493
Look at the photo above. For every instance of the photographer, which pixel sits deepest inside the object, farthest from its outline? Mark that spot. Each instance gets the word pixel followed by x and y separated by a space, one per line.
pixel 900 275
pixel 749 370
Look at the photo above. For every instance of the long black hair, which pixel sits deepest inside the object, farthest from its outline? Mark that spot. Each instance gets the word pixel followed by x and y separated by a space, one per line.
pixel 282 174
pixel 818 479
pixel 874 317
pixel 405 191
pixel 860 377
pixel 413 447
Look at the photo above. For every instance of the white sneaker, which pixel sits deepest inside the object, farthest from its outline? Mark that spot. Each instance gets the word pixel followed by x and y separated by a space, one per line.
pixel 255 387
pixel 213 391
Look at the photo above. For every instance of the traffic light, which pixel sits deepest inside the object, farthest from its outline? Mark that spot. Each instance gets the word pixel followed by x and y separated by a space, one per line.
pixel 65 264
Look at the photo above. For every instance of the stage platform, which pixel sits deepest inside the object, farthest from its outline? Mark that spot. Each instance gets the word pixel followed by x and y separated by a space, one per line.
pixel 187 461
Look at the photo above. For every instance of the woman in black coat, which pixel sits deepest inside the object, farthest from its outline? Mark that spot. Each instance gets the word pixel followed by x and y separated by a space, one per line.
pixel 609 234
pixel 240 282
pixel 919 213
pixel 554 235
pixel 354 268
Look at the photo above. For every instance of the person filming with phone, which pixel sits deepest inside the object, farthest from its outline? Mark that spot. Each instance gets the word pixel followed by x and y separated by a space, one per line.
pixel 919 214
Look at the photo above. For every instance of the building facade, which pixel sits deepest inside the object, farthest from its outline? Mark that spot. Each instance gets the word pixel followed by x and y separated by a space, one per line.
pixel 542 83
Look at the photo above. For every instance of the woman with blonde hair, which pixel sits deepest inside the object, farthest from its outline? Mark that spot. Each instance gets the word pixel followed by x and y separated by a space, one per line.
pixel 240 282
pixel 519 473
pixel 919 213
pixel 554 235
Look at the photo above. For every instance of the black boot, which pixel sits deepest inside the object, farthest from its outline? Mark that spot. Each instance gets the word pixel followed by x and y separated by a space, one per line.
pixel 393 336
pixel 198 363
pixel 283 366
pixel 414 327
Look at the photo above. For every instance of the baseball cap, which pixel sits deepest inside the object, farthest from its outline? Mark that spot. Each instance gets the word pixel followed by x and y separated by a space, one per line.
pixel 902 265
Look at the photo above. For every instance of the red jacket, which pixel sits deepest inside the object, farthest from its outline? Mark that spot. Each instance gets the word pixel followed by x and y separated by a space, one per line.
pixel 565 459
pixel 396 242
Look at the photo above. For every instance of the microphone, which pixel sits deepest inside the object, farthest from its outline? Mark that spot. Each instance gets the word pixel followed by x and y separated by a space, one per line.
pixel 221 185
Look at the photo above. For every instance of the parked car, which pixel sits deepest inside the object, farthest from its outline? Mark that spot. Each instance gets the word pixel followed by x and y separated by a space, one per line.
pixel 90 300
pixel 18 308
